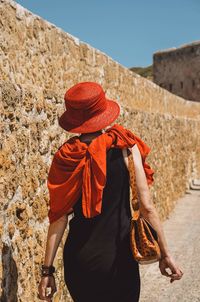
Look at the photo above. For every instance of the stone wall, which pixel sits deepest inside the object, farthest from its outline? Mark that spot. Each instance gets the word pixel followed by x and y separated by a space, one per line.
pixel 38 63
pixel 178 70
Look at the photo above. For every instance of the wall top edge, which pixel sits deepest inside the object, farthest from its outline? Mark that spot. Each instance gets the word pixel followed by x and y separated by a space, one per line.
pixel 174 49
pixel 22 13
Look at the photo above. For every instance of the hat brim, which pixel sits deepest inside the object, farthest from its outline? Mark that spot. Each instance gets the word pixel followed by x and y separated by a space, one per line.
pixel 94 123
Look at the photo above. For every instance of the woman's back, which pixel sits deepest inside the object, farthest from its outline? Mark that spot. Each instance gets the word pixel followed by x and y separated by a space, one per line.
pixel 98 264
pixel 97 256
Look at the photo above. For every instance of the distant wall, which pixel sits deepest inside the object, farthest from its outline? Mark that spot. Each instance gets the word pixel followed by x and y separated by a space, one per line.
pixel 38 63
pixel 178 70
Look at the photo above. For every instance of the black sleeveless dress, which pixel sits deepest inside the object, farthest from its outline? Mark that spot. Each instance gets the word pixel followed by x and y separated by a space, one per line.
pixel 98 264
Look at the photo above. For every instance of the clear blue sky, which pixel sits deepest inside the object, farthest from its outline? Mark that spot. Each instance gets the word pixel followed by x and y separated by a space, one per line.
pixel 129 31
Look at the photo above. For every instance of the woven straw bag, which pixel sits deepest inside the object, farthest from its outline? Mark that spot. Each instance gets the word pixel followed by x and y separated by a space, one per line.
pixel 143 237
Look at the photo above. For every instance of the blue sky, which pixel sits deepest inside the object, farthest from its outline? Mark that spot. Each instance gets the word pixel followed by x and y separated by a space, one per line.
pixel 129 31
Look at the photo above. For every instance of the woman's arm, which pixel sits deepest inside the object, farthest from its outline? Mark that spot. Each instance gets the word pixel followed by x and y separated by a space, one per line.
pixel 147 207
pixel 54 236
pixel 149 212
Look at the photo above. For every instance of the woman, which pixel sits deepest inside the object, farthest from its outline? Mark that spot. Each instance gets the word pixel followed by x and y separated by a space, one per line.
pixel 89 177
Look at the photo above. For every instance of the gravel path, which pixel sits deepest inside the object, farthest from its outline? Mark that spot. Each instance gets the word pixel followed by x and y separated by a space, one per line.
pixel 182 231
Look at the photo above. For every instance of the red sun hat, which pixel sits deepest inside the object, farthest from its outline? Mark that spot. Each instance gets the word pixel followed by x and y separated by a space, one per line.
pixel 87 108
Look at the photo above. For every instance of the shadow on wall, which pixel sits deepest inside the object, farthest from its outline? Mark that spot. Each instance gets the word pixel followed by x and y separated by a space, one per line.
pixel 9 276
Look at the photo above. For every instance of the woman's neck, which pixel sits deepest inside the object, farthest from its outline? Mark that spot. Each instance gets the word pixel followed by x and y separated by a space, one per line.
pixel 89 136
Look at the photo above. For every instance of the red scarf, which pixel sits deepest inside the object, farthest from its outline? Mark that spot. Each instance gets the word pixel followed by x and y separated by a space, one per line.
pixel 80 168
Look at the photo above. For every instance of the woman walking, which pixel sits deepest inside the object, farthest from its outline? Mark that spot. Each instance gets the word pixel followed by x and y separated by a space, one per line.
pixel 89 178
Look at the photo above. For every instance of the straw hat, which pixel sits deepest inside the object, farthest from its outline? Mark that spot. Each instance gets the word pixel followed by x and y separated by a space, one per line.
pixel 87 108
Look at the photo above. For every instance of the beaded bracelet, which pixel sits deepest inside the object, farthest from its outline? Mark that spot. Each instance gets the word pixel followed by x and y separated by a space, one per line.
pixel 47 270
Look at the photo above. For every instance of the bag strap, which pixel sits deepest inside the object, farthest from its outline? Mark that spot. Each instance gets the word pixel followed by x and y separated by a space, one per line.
pixel 134 203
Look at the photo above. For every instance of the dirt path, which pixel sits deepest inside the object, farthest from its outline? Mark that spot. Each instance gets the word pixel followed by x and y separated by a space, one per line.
pixel 182 231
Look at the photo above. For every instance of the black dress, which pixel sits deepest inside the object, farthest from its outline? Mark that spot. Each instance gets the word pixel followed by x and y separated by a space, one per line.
pixel 98 264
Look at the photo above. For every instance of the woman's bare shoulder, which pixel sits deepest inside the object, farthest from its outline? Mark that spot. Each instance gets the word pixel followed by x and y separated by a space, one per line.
pixel 135 153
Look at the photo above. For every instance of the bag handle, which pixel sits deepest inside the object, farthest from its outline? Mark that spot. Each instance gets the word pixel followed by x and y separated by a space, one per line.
pixel 134 203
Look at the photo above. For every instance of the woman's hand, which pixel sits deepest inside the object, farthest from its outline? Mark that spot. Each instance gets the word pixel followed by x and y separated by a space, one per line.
pixel 47 281
pixel 168 262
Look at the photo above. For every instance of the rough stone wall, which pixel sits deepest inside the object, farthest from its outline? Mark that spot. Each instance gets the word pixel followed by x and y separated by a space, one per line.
pixel 38 63
pixel 178 70
pixel 36 53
